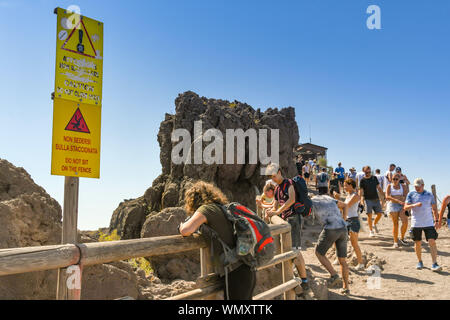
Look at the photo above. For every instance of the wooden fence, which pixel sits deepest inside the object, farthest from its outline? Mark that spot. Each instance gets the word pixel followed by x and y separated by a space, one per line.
pixel 29 259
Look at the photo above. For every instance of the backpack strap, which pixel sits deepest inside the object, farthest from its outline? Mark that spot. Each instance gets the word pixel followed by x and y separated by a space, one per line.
pixel 284 189
pixel 227 252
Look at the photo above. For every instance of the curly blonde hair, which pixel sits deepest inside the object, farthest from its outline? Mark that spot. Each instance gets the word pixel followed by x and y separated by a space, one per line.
pixel 202 193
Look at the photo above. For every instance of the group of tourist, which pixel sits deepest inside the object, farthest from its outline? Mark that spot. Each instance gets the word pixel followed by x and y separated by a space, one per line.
pixel 372 193
pixel 352 192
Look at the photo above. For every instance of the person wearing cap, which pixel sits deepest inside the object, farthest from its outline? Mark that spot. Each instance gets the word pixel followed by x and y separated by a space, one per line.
pixel 283 204
pixel 352 174
pixel 423 208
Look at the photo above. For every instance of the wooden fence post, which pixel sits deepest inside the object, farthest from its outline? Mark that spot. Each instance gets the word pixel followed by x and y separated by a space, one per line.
pixel 206 267
pixel 433 190
pixel 286 266
pixel 70 235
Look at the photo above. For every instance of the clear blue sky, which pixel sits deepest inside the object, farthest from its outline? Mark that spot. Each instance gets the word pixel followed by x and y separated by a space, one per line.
pixel 370 96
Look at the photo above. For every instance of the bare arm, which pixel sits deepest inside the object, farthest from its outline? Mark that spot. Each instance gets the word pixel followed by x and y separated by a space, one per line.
pixel 270 211
pixel 435 212
pixel 266 205
pixel 388 194
pixel 347 204
pixel 390 198
pixel 444 205
pixel 406 180
pixel 389 177
pixel 190 226
pixel 354 199
pixel 409 206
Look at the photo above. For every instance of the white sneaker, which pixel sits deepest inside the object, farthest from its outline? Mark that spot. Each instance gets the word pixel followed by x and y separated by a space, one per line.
pixel 395 245
pixel 371 234
pixel 375 228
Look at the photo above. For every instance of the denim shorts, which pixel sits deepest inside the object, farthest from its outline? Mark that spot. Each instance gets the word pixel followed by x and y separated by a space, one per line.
pixel 295 222
pixel 373 206
pixel 353 224
pixel 394 207
pixel 330 236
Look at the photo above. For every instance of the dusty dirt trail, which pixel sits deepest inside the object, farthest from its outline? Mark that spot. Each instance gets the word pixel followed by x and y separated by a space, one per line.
pixel 399 278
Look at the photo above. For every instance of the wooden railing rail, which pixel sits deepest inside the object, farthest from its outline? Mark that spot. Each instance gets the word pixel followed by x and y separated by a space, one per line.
pixel 30 259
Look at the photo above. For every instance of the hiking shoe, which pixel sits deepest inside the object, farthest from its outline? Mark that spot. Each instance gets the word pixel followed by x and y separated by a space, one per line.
pixel 395 245
pixel 344 291
pixel 334 281
pixel 305 286
pixel 419 265
pixel 435 267
pixel 403 242
pixel 371 234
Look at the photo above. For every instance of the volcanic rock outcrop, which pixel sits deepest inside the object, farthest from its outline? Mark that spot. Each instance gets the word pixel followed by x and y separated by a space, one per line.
pixel 30 217
pixel 149 215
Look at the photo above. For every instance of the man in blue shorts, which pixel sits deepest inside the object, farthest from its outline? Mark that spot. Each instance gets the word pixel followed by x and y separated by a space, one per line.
pixel 423 207
pixel 369 191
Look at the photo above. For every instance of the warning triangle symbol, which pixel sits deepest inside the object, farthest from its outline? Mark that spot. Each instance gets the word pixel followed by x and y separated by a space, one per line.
pixel 79 41
pixel 77 123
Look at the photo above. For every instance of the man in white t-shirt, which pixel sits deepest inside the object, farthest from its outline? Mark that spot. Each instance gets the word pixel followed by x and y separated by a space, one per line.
pixel 306 172
pixel 389 175
pixel 359 176
pixel 382 180
pixel 423 207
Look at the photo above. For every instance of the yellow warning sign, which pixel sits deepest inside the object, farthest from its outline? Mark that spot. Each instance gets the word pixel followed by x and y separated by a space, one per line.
pixel 79 61
pixel 76 139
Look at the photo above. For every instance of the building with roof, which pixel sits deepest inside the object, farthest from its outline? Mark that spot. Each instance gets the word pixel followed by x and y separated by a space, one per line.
pixel 310 151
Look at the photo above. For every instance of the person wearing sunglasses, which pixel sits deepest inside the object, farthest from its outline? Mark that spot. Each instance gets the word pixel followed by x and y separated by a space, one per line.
pixel 395 195
pixel 369 188
pixel 424 219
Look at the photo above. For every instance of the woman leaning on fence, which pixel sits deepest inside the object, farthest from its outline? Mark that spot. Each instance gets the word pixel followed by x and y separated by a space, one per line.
pixel 203 204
